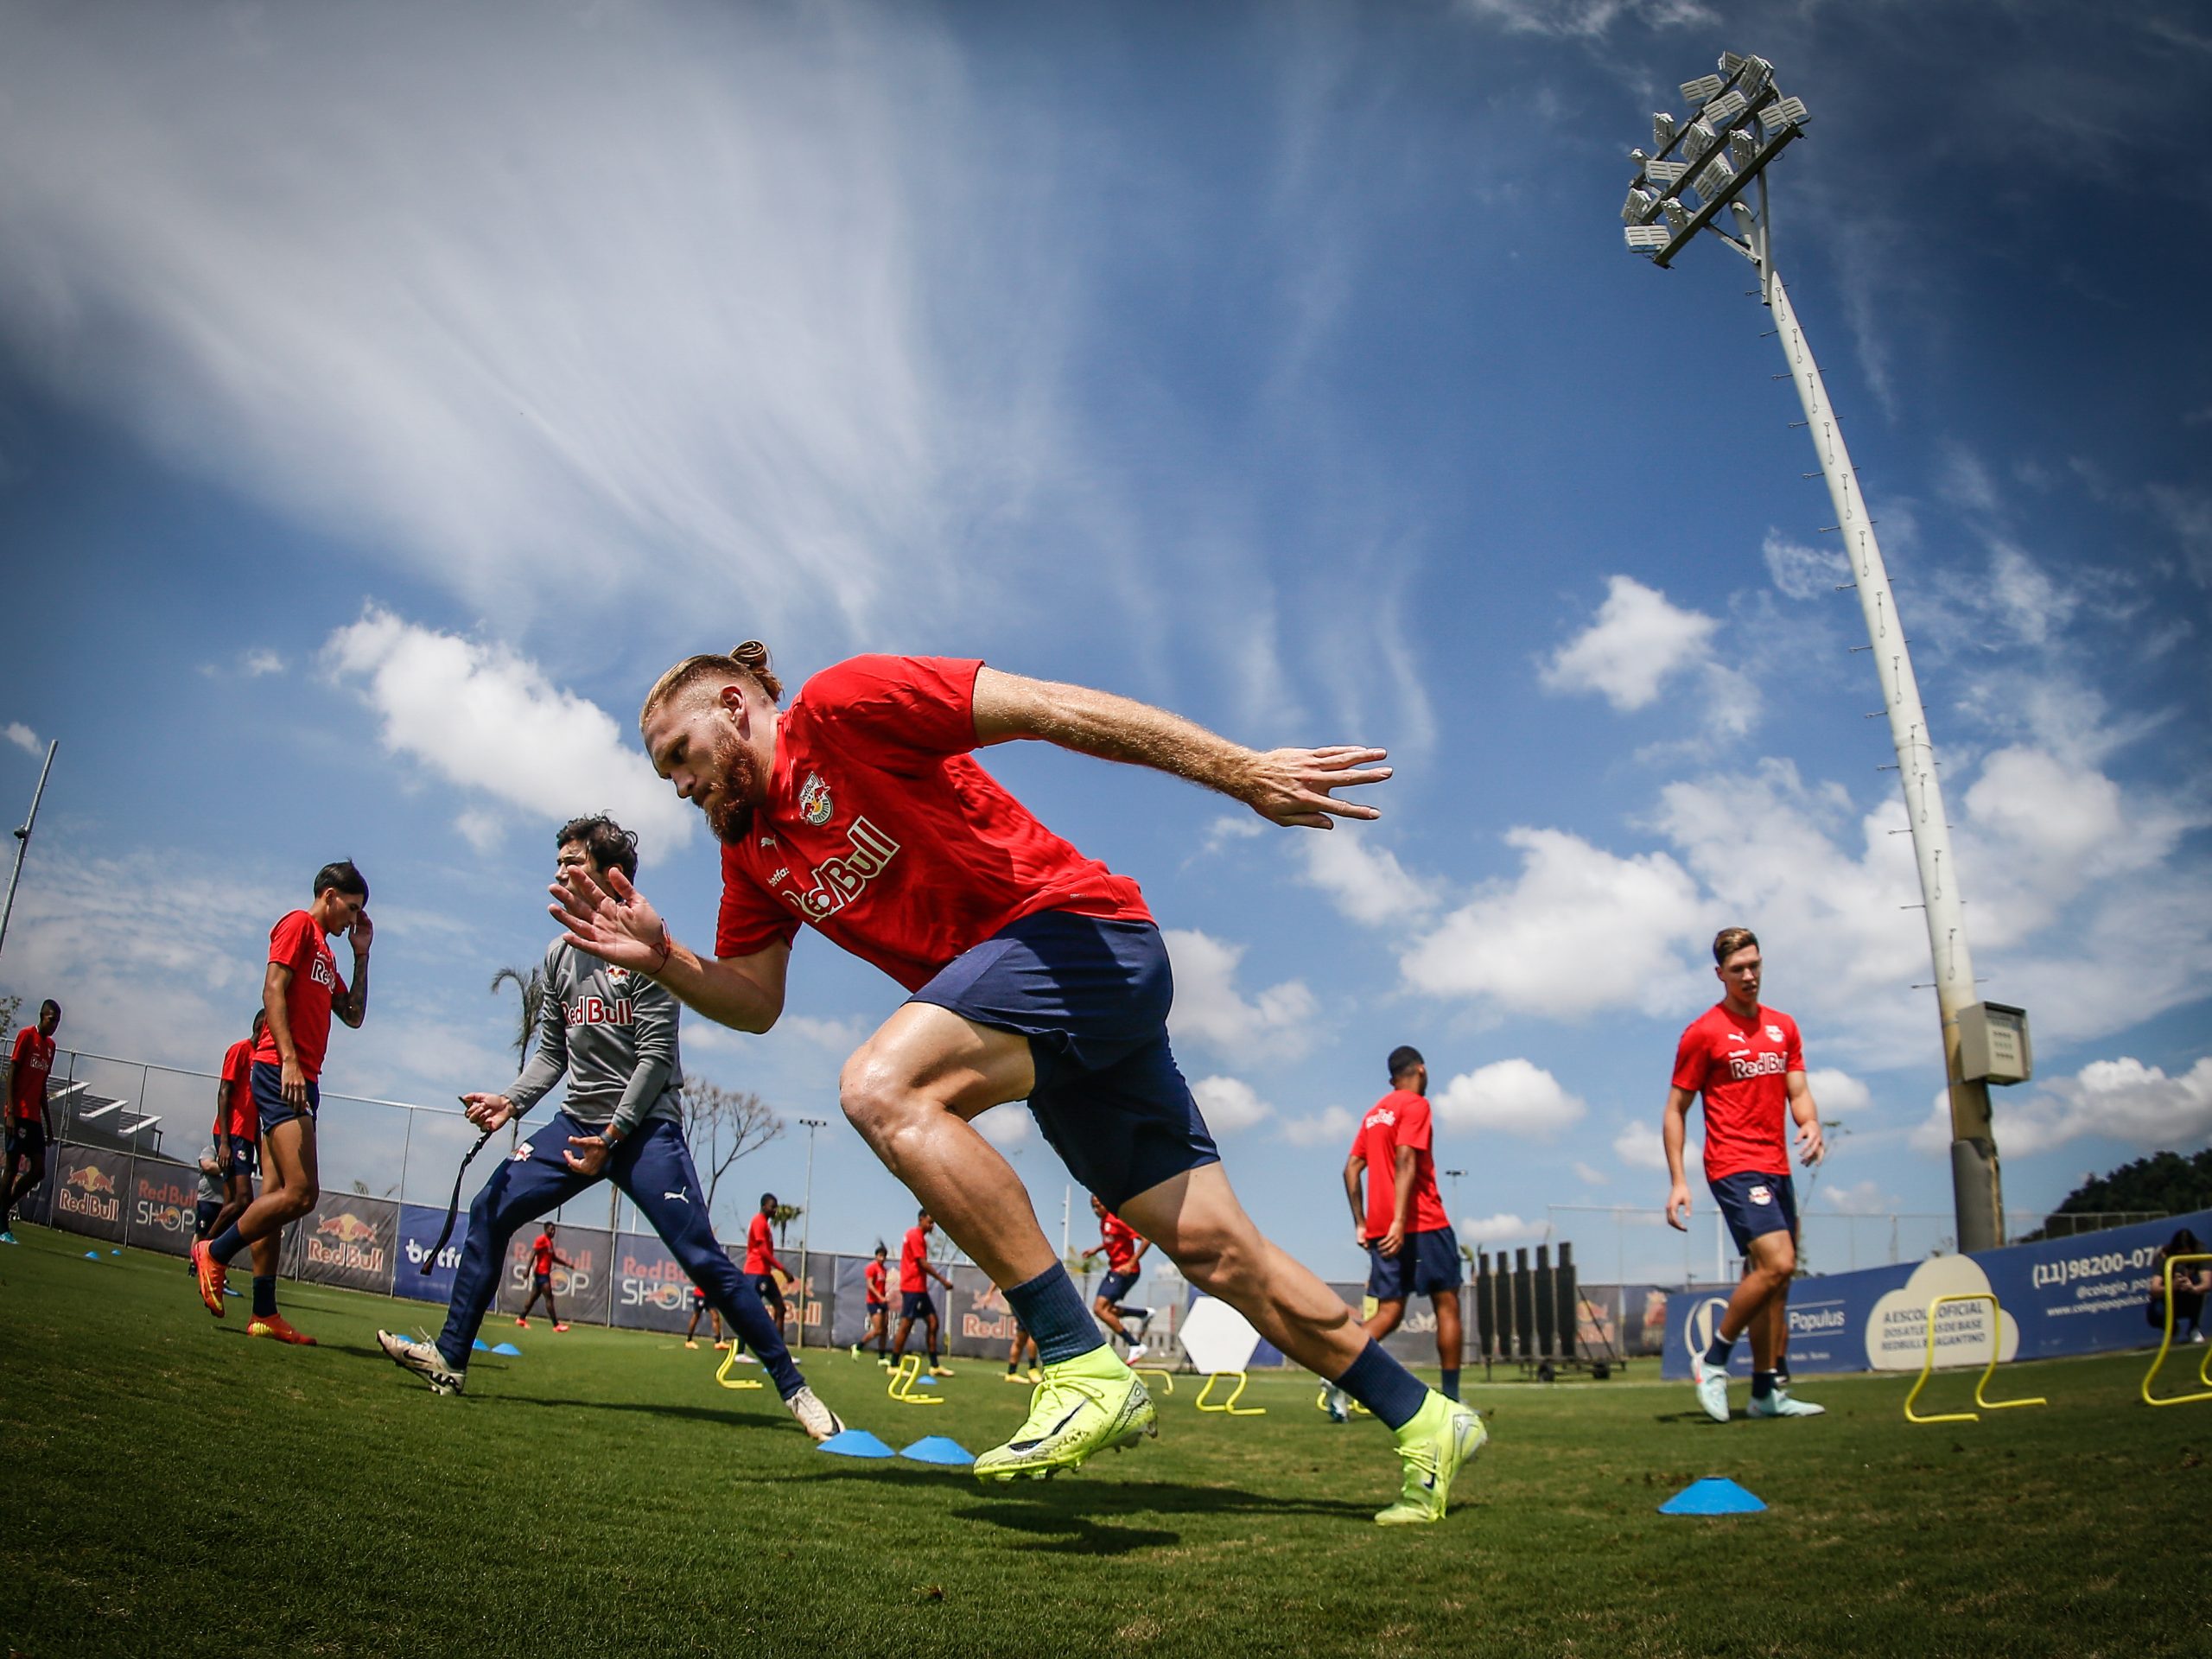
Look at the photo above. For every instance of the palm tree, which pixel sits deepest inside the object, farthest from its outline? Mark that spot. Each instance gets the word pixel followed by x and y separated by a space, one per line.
pixel 531 988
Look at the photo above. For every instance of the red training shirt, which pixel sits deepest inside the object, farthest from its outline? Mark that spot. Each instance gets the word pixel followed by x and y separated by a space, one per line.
pixel 239 1119
pixel 875 1276
pixel 1400 1118
pixel 760 1247
pixel 541 1254
pixel 298 943
pixel 881 831
pixel 1741 1068
pixel 34 1063
pixel 1119 1240
pixel 911 1255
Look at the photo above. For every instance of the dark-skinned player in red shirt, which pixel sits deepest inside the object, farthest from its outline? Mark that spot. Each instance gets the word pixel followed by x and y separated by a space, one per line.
pixel 1123 1248
pixel 29 1125
pixel 768 1274
pixel 1033 974
pixel 543 1258
pixel 1749 1063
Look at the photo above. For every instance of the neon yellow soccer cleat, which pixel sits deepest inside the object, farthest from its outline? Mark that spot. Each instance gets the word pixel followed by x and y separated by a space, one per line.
pixel 1089 1404
pixel 1442 1439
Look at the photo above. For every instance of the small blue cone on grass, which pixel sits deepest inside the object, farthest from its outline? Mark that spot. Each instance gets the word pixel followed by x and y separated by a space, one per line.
pixel 509 1350
pixel 1712 1496
pixel 855 1443
pixel 925 1381
pixel 91 1255
pixel 936 1448
pixel 480 1346
pixel 115 1252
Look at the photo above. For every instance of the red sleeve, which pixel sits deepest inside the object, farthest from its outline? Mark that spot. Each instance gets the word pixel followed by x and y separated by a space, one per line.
pixel 1689 1059
pixel 23 1043
pixel 749 920
pixel 1413 1128
pixel 1796 1045
pixel 291 941
pixel 898 710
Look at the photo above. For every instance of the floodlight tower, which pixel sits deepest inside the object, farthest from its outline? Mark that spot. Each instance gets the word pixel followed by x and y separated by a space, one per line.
pixel 1700 168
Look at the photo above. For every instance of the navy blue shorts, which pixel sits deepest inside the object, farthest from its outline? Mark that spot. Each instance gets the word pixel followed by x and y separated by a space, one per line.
pixel 1115 1285
pixel 915 1305
pixel 269 1095
pixel 765 1288
pixel 1754 1204
pixel 1426 1264
pixel 205 1213
pixel 244 1158
pixel 877 1307
pixel 1092 996
pixel 26 1137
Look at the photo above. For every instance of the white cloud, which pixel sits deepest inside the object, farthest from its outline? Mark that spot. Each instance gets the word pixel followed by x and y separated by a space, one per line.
pixel 1209 1011
pixel 1508 1097
pixel 1838 1094
pixel 489 722
pixel 1638 1145
pixel 1639 638
pixel 1006 1125
pixel 2122 1099
pixel 255 664
pixel 1862 1199
pixel 1803 572
pixel 23 737
pixel 1500 1229
pixel 1591 1174
pixel 1231 827
pixel 1230 1104
pixel 1366 882
pixel 1333 1125
pixel 1527 946
pixel 1587 20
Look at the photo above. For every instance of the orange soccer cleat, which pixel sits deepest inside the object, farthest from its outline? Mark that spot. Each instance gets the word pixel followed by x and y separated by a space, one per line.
pixel 276 1326
pixel 561 1326
pixel 208 1272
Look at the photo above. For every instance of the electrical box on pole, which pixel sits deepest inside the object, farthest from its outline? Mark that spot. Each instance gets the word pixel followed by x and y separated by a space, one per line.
pixel 1993 1045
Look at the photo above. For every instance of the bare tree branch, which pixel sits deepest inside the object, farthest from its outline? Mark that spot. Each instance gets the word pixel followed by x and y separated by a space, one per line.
pixel 728 1123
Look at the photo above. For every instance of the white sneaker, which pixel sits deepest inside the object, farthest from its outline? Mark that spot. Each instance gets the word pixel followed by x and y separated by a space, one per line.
pixel 424 1360
pixel 1137 1353
pixel 817 1419
pixel 1338 1404
pixel 1712 1387
pixel 1779 1404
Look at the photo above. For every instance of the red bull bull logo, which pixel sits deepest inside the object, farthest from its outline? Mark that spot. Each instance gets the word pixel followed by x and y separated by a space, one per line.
pixel 347 1228
pixel 90 1178
pixel 346 1243
pixel 88 1193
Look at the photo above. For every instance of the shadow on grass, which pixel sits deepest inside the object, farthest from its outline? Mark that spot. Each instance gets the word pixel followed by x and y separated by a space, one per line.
pixel 693 1414
pixel 1079 1518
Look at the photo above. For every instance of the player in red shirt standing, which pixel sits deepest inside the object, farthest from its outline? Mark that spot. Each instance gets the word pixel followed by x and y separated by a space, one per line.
pixel 300 992
pixel 915 1302
pixel 1411 1251
pixel 237 1127
pixel 30 1125
pixel 876 1279
pixel 543 1258
pixel 1033 974
pixel 768 1274
pixel 1749 1064
pixel 1123 1248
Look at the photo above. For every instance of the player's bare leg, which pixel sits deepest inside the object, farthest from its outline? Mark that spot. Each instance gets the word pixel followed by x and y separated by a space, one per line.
pixel 1384 1319
pixel 291 1182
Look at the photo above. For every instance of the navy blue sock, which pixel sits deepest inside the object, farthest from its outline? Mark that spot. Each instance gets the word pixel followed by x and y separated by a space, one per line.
pixel 1051 1309
pixel 1717 1354
pixel 1762 1384
pixel 226 1244
pixel 1383 1386
pixel 265 1296
pixel 1451 1381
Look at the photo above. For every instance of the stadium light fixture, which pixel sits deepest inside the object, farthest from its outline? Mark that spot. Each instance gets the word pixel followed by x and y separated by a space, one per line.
pixel 1716 159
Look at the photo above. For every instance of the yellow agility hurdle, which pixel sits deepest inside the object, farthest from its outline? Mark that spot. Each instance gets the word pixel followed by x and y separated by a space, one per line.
pixel 904 1377
pixel 1321 1402
pixel 1928 1366
pixel 721 1371
pixel 1230 1405
pixel 2203 1372
pixel 1167 1380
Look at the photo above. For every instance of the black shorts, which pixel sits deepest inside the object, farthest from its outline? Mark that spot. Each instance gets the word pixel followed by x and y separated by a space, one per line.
pixel 915 1305
pixel 26 1137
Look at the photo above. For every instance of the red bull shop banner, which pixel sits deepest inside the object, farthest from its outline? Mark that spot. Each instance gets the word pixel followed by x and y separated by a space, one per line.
pixel 163 1200
pixel 346 1240
pixel 2081 1295
pixel 580 1288
pixel 651 1290
pixel 978 1322
pixel 88 1191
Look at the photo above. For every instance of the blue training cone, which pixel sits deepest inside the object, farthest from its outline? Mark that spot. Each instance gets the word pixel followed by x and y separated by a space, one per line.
pixel 1714 1495
pixel 936 1448
pixel 509 1350
pixel 855 1443
pixel 480 1346
pixel 115 1252
pixel 91 1255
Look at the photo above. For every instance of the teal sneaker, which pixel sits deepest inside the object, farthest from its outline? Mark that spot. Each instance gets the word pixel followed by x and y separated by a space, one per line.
pixel 1779 1404
pixel 7 1239
pixel 1086 1405
pixel 1712 1383
pixel 1441 1440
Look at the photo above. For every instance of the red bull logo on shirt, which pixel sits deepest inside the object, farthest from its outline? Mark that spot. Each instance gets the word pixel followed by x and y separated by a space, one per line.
pixel 598 1011
pixel 839 880
pixel 1741 1066
pixel 814 800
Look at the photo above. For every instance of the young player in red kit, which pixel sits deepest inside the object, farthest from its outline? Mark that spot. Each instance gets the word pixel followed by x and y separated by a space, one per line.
pixel 237 1126
pixel 768 1273
pixel 29 1126
pixel 1124 1249
pixel 543 1258
pixel 1411 1251
pixel 876 1279
pixel 300 992
pixel 915 1272
pixel 1034 972
pixel 1749 1064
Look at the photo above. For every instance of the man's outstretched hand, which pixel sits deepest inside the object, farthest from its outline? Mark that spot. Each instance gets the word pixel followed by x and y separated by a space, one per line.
pixel 1293 786
pixel 611 919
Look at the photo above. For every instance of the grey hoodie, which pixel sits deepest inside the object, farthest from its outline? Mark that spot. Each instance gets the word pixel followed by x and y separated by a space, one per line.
pixel 614 1034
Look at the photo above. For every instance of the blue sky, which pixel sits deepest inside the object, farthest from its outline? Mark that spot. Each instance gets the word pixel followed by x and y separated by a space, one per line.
pixel 386 397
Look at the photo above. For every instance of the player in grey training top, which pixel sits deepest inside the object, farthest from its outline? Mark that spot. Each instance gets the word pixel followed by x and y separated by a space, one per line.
pixel 612 1034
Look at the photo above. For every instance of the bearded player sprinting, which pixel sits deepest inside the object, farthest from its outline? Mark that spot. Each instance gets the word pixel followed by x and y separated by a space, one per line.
pixel 1035 974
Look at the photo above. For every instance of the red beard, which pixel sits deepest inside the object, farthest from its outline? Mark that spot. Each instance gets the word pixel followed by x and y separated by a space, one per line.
pixel 738 790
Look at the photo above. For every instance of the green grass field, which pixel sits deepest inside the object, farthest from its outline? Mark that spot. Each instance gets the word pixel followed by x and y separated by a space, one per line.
pixel 172 1487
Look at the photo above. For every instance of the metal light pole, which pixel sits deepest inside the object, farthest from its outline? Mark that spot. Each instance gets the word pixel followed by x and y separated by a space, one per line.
pixel 1703 166
pixel 23 841
pixel 806 1229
